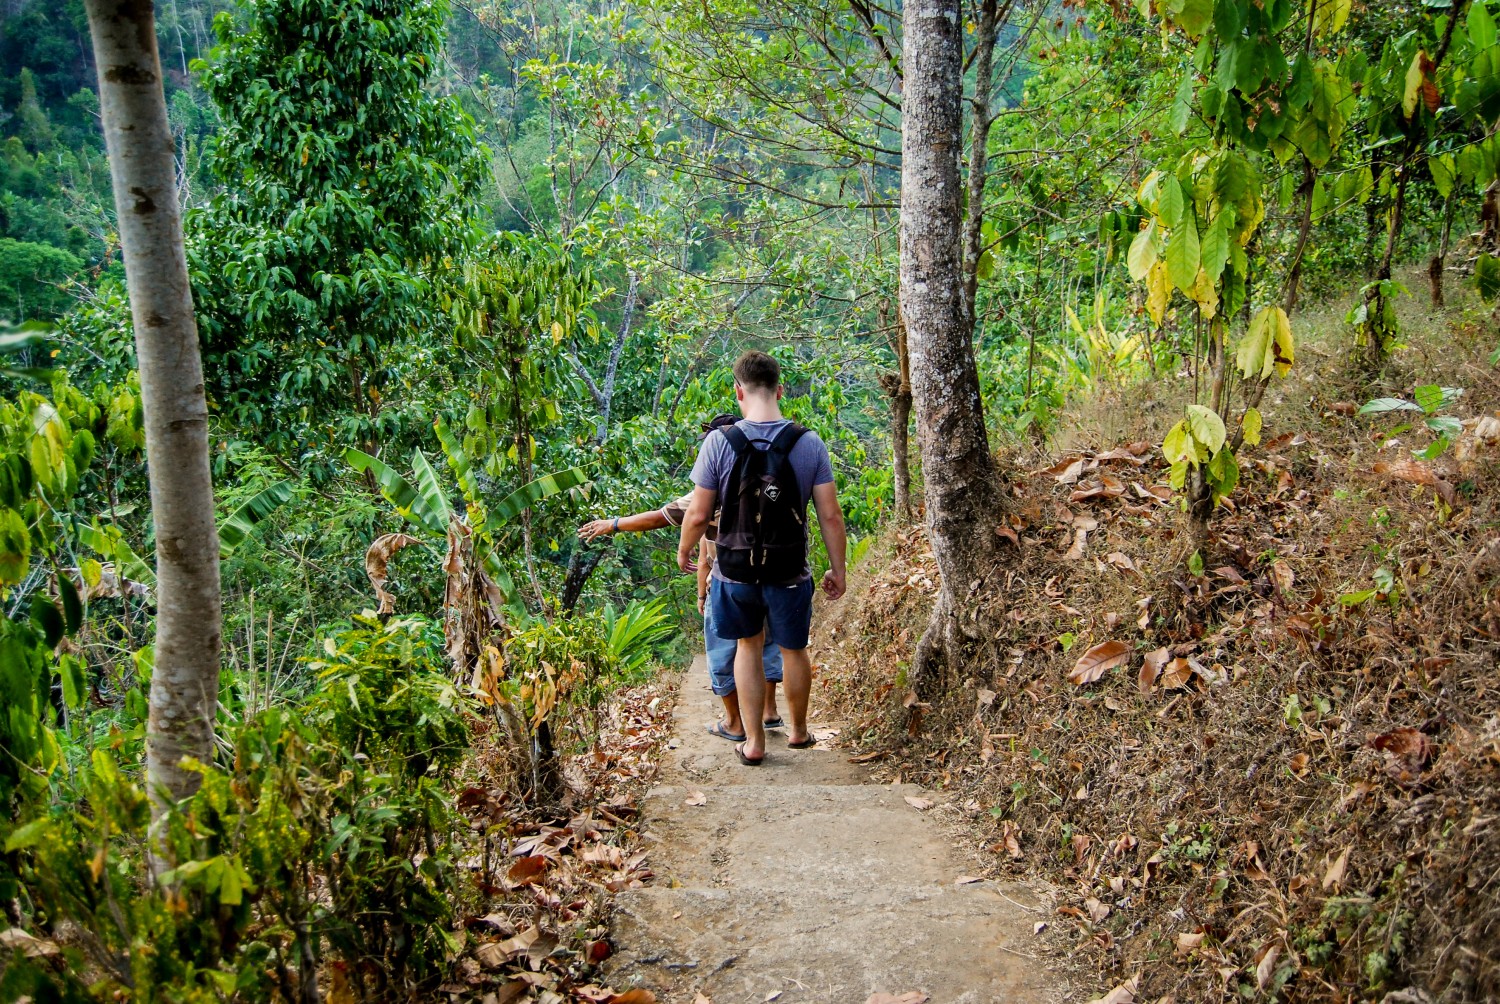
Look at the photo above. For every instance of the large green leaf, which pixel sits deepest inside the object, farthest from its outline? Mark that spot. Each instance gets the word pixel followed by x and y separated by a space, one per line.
pixel 1183 254
pixel 15 546
pixel 528 495
pixel 459 460
pixel 397 491
pixel 1142 254
pixel 234 530
pixel 1487 276
pixel 432 501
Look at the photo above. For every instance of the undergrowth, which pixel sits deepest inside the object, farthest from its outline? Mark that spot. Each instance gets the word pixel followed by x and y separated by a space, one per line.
pixel 1266 769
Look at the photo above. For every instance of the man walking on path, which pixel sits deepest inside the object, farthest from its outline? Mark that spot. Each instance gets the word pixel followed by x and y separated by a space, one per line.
pixel 759 475
pixel 719 651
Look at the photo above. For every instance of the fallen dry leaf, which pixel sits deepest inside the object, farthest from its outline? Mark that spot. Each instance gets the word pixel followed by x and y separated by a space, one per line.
pixel 967 880
pixel 1080 539
pixel 699 998
pixel 1265 970
pixel 1417 473
pixel 1333 878
pixel 1407 750
pixel 1282 575
pixel 1176 674
pixel 636 996
pixel 526 870
pixel 1299 763
pixel 1151 668
pixel 1188 942
pixel 910 997
pixel 920 804
pixel 1097 661
pixel 1122 994
pixel 28 944
pixel 696 798
pixel 1097 910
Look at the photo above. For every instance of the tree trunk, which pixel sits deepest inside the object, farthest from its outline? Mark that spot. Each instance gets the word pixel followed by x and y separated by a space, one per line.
pixel 612 368
pixel 985 34
pixel 185 682
pixel 898 386
pixel 961 489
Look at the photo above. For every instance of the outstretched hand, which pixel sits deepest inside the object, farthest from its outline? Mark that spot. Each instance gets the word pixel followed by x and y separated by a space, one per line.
pixel 685 561
pixel 833 584
pixel 598 528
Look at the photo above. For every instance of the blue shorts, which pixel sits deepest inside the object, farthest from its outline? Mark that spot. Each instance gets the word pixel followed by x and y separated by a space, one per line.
pixel 742 610
pixel 721 657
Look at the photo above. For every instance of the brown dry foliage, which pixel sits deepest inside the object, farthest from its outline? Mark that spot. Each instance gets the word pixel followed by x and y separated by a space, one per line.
pixel 1297 799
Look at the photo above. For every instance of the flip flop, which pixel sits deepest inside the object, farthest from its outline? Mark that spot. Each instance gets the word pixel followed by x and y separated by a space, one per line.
pixel 739 751
pixel 773 723
pixel 718 729
pixel 805 744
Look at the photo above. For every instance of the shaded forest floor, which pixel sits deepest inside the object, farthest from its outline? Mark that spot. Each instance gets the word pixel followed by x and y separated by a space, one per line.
pixel 1290 789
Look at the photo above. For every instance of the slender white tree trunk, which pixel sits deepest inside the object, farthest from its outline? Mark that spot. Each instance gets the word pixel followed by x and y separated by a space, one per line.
pixel 962 500
pixel 185 682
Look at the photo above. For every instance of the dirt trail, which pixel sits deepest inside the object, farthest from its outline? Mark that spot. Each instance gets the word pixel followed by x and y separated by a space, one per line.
pixel 805 877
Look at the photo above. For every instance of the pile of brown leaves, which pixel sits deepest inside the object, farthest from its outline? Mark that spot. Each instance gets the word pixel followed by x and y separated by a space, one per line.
pixel 1272 768
pixel 545 880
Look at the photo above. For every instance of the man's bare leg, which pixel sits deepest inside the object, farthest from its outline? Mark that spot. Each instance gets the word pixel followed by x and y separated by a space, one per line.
pixel 750 685
pixel 732 723
pixel 770 714
pixel 796 679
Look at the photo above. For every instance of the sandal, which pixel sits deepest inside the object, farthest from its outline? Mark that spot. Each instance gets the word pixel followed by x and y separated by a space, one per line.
pixel 718 729
pixel 773 723
pixel 739 751
pixel 805 744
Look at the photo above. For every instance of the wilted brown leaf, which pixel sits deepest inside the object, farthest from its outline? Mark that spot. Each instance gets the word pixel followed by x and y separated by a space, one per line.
pixel 1122 561
pixel 696 798
pixel 1407 750
pixel 377 558
pixel 1097 661
pixel 1176 674
pixel 636 996
pixel 1151 668
pixel 920 804
pixel 1418 473
pixel 527 870
pixel 1299 763
pixel 910 997
pixel 27 944
pixel 1010 837
pixel 1080 540
pixel 1122 994
pixel 1097 911
pixel 1066 471
pixel 1188 942
pixel 1333 878
pixel 1282 575
pixel 1265 970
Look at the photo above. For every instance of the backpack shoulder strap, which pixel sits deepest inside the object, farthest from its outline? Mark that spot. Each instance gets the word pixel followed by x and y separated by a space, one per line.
pixel 787 438
pixel 738 441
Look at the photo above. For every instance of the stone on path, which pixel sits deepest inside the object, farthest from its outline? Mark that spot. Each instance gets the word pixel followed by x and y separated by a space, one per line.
pixel 804 879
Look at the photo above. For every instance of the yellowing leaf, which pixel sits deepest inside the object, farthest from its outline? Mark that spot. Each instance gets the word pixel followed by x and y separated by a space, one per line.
pixel 1413 89
pixel 1176 447
pixel 1097 661
pixel 1329 16
pixel 1158 289
pixel 1267 345
pixel 1205 425
pixel 557 333
pixel 1143 252
pixel 1251 425
pixel 1184 254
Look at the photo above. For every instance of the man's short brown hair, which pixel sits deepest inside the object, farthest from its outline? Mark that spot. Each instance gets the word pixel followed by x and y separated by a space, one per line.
pixel 758 371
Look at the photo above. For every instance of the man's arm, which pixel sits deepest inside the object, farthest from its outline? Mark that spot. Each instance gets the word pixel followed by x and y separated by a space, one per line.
pixel 835 540
pixel 693 524
pixel 705 562
pixel 637 523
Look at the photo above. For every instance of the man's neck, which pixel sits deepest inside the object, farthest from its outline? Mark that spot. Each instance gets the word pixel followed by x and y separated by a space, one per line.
pixel 761 409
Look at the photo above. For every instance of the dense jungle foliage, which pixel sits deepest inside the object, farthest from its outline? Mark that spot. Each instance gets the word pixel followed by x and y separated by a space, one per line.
pixel 466 276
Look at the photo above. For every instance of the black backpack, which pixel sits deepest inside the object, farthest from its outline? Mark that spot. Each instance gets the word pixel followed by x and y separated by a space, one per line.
pixel 763 516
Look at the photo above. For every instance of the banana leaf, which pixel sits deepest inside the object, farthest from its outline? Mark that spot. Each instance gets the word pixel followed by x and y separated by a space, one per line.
pixel 234 530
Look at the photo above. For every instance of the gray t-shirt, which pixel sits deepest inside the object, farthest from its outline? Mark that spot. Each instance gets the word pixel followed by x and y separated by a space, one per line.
pixel 808 459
